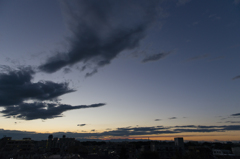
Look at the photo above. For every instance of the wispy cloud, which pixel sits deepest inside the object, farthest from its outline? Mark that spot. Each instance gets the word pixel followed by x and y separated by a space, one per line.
pixel 155 57
pixel 172 118
pixel 157 119
pixel 198 57
pixel 236 77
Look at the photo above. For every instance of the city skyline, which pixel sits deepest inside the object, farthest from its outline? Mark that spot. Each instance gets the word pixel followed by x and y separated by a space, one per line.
pixel 153 69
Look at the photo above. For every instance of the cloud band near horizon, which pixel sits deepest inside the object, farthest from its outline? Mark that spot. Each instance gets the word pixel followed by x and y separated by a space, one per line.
pixel 126 131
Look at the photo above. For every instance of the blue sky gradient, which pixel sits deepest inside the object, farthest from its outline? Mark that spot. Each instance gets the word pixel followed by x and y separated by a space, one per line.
pixel 176 61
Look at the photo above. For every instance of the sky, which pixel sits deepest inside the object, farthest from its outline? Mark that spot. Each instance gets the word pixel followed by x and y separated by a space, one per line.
pixel 123 69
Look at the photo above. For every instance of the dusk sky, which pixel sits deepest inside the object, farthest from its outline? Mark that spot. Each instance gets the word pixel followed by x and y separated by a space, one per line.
pixel 109 69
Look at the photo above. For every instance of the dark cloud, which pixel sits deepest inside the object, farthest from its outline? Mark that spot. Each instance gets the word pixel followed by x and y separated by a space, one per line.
pixel 231 127
pixel 81 124
pixel 194 126
pixel 172 118
pixel 155 57
pixel 207 127
pixel 31 111
pixel 204 128
pixel 236 77
pixel 157 119
pixel 196 130
pixel 236 115
pixel 100 31
pixel 186 126
pixel 17 90
pixel 16 86
pixel 129 131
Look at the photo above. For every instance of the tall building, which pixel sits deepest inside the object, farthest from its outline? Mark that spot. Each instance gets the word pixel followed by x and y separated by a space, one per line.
pixel 179 141
pixel 50 137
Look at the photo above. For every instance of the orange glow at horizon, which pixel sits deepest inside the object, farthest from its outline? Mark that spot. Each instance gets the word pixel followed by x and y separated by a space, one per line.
pixel 211 137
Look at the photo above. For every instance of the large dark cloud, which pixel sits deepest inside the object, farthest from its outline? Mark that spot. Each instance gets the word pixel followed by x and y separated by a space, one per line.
pixel 16 86
pixel 127 131
pixel 24 99
pixel 31 111
pixel 100 31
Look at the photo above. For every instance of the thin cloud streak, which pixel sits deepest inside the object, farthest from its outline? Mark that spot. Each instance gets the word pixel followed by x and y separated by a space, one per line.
pixel 32 111
pixel 127 131
pixel 197 57
pixel 236 77
pixel 155 57
pixel 233 122
pixel 236 115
